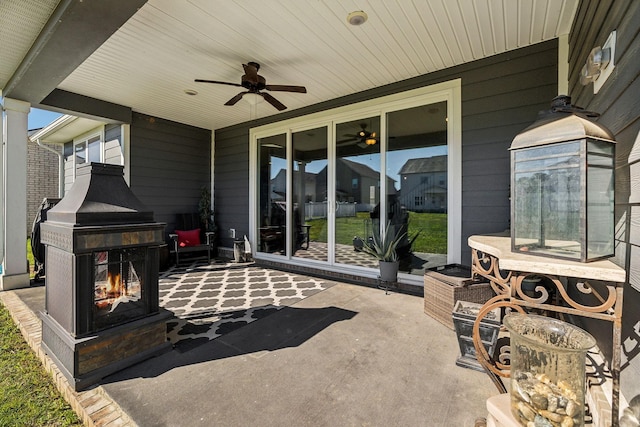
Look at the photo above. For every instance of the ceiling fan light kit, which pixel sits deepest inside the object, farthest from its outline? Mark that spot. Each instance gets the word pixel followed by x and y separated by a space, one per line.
pixel 255 84
pixel 362 138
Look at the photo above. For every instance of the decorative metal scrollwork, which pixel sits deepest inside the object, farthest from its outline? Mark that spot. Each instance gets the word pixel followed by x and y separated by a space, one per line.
pixel 486 266
pixel 494 368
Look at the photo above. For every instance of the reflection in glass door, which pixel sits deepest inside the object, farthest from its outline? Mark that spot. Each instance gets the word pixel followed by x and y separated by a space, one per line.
pixel 416 166
pixel 357 188
pixel 310 213
pixel 272 194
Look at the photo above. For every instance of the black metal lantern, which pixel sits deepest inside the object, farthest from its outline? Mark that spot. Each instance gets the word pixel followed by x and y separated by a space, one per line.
pixel 562 186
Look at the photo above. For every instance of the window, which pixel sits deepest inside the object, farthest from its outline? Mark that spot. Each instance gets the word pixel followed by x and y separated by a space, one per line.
pixel 87 149
pixel 354 183
pixel 418 201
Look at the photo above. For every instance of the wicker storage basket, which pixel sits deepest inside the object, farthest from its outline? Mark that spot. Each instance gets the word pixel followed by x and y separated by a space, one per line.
pixel 446 285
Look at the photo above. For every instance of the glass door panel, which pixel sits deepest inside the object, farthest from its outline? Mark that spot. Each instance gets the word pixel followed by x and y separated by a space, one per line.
pixel 310 219
pixel 416 162
pixel 272 194
pixel 357 188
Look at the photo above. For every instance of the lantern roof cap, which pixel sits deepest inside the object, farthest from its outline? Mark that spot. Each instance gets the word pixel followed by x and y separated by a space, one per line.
pixel 563 122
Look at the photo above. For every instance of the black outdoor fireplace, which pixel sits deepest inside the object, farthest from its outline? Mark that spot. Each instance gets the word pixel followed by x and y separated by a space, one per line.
pixel 102 306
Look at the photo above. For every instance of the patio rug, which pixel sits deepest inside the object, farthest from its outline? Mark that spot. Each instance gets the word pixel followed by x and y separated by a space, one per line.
pixel 210 300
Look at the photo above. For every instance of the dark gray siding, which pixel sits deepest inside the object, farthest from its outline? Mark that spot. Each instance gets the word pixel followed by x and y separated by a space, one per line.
pixel 501 95
pixel 170 163
pixel 231 183
pixel 618 102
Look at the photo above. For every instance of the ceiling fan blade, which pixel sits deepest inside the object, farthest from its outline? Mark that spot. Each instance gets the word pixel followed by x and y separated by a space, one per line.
pixel 217 82
pixel 235 99
pixel 286 88
pixel 271 100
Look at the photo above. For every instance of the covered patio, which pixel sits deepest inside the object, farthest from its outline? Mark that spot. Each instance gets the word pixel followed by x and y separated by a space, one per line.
pixel 406 117
pixel 295 351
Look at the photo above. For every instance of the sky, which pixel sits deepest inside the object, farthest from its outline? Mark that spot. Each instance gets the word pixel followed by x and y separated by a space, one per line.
pixel 41 118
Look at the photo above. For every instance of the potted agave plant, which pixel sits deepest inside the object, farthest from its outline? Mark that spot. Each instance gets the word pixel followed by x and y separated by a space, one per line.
pixel 383 247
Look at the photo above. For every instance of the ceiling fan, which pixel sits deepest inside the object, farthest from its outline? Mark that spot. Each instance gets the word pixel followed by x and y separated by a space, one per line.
pixel 255 83
pixel 363 138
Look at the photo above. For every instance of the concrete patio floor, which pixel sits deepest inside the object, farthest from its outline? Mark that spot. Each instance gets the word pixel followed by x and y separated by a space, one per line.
pixel 346 355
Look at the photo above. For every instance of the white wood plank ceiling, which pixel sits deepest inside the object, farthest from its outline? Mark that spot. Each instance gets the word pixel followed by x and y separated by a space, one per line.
pixel 150 62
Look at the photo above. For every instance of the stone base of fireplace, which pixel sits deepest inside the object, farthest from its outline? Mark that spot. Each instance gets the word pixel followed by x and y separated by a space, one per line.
pixel 85 361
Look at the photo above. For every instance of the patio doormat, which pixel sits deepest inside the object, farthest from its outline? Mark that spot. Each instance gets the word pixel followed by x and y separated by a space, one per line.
pixel 210 300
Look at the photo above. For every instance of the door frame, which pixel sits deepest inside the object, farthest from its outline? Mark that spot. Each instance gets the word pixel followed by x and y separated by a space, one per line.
pixel 449 91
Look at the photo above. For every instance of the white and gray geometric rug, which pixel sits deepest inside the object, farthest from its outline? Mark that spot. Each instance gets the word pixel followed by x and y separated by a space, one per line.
pixel 209 300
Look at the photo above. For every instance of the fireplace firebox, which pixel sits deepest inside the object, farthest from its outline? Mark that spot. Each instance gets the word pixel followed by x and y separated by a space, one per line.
pixel 101 285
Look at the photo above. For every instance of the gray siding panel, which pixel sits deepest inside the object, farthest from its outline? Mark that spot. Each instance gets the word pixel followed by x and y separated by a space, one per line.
pixel 501 95
pixel 170 163
pixel 619 106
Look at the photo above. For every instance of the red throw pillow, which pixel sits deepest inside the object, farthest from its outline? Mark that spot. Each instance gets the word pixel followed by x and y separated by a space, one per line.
pixel 188 237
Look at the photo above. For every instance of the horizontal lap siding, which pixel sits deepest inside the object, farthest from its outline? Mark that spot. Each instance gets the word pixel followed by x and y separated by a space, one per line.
pixel 232 184
pixel 113 152
pixel 619 105
pixel 501 95
pixel 170 163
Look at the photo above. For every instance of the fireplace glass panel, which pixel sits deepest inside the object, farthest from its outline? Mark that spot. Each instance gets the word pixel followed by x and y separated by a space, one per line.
pixel 118 293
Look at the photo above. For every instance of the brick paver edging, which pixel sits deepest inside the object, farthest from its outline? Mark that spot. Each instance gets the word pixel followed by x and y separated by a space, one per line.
pixel 93 406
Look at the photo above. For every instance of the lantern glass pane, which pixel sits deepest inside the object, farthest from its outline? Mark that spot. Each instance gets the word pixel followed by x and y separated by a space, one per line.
pixel 547 200
pixel 600 199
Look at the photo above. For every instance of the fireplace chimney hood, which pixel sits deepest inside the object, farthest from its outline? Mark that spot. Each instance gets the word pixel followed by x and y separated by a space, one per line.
pixel 100 196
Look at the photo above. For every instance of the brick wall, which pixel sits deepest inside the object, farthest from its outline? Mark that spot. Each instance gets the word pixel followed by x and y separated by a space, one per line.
pixel 42 178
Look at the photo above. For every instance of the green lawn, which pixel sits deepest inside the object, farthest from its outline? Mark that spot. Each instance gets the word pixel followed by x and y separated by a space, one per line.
pixel 431 226
pixel 27 394
pixel 30 257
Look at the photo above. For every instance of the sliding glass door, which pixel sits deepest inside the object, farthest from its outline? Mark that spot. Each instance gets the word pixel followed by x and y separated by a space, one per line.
pixel 309 196
pixel 356 189
pixel 272 194
pixel 416 170
pixel 321 191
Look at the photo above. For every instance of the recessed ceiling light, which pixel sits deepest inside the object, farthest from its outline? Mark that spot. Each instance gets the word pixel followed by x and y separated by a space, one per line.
pixel 190 92
pixel 357 18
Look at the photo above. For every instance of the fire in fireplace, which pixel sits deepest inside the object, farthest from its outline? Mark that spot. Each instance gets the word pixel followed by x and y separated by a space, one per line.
pixel 117 296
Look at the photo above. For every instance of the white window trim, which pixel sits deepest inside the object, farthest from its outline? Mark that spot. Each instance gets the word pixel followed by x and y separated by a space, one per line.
pixel 99 131
pixel 450 92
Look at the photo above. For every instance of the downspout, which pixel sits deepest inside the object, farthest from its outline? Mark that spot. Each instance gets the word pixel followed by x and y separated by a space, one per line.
pixel 60 166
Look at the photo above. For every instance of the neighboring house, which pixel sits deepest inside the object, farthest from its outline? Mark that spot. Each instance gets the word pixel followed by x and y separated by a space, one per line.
pixel 355 183
pixel 279 185
pixel 424 184
pixel 42 177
